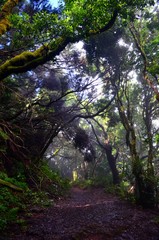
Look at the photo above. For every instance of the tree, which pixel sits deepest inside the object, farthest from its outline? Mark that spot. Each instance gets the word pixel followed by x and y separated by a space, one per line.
pixel 38 102
pixel 107 147
pixel 36 106
pixel 135 102
pixel 53 32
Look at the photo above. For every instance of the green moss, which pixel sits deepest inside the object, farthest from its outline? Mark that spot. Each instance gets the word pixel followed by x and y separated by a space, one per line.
pixel 4 25
pixel 8 6
pixel 28 60
pixel 21 59
pixel 5 12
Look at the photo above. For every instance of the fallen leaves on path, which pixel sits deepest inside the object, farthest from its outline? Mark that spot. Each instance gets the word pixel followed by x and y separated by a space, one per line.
pixel 91 214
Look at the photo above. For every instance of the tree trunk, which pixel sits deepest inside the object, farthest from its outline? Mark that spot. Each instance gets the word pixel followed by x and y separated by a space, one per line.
pixel 144 188
pixel 112 163
pixel 110 157
pixel 144 185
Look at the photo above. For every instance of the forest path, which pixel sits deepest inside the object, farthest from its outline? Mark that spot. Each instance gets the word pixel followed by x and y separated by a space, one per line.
pixel 91 214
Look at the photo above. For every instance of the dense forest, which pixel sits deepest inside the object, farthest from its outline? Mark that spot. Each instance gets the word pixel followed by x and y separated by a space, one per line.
pixel 79 101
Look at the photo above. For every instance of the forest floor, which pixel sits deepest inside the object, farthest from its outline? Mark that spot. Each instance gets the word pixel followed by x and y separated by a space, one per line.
pixel 89 214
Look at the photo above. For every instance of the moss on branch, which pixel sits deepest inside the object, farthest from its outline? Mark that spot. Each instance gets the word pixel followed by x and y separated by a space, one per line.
pixel 4 25
pixel 4 14
pixel 29 60
pixel 10 185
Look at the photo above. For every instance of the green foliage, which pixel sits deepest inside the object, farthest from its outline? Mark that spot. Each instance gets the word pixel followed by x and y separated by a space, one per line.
pixel 103 180
pixel 157 138
pixel 47 180
pixel 98 181
pixel 14 181
pixel 35 29
pixel 10 205
pixel 77 18
pixel 3 135
pixel 93 15
pixel 123 191
pixel 71 99
pixel 50 185
pixel 58 182
pixel 83 183
pixel 38 198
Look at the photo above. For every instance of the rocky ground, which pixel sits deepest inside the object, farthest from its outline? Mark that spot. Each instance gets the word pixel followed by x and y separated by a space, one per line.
pixel 89 214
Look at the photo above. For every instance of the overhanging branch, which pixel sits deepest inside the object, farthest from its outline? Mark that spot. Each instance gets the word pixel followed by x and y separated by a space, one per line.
pixel 29 60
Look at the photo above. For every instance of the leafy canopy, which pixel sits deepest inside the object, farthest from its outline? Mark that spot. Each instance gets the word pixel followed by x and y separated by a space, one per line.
pixel 38 38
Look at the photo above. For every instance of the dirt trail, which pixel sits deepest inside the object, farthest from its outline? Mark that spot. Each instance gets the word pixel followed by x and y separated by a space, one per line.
pixel 91 215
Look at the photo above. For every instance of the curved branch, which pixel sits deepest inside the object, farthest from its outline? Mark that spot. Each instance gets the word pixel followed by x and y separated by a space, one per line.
pixel 29 60
pixel 92 115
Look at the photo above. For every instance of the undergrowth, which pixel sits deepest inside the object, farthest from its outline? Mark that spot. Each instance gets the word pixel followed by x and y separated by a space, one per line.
pixel 11 201
pixel 121 190
pixel 83 184
pixel 45 188
pixel 93 182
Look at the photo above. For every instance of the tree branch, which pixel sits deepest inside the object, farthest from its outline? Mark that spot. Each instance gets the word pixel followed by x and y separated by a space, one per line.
pixel 29 60
pixel 10 185
pixel 86 116
pixel 145 60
